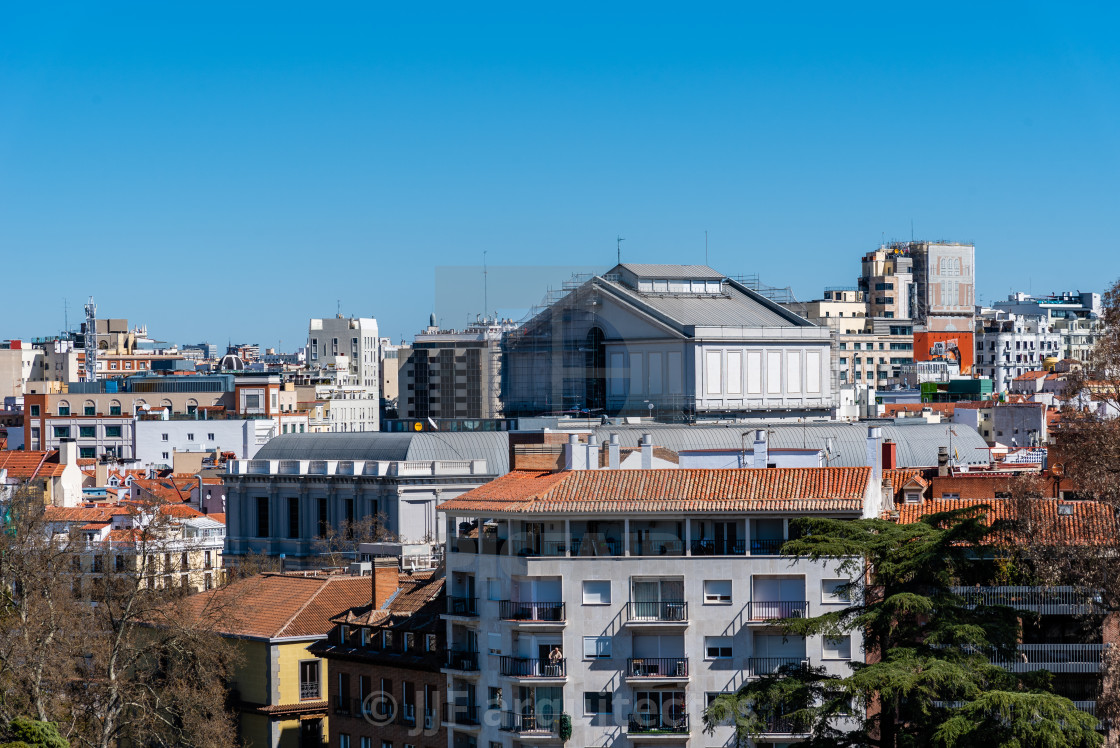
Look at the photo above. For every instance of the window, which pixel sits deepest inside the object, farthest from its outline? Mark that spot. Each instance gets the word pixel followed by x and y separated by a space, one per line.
pixel 87 432
pixel 597 592
pixel 61 432
pixel 494 698
pixel 493 589
pixel 596 647
pixel 717 647
pixel 252 401
pixel 262 517
pixel 717 591
pixel 838 648
pixel 163 437
pixel 598 702
pixel 87 453
pixel 343 740
pixel 115 410
pixel 209 437
pixel 112 432
pixel 190 437
pixel 366 741
pixel 90 410
pixel 63 409
pixel 34 410
pixel 835 591
pixel 167 455
pixel 293 517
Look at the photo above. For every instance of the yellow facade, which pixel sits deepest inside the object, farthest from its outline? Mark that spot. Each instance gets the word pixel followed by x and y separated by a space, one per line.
pixel 268 682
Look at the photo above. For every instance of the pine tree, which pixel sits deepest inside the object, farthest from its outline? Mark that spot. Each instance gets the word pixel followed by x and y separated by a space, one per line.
pixel 928 679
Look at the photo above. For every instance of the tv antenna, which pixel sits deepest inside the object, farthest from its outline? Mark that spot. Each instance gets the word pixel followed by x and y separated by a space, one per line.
pixel 485 288
pixel 618 247
pixel 705 246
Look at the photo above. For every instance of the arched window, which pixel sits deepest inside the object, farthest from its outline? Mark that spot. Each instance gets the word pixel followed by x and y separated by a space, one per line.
pixel 114 407
pixel 63 408
pixel 90 408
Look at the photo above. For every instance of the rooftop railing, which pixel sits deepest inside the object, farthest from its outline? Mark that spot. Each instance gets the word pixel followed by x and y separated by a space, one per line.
pixel 1064 600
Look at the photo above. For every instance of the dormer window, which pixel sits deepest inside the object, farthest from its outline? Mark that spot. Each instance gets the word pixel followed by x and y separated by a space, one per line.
pixel 1065 510
pixel 913 497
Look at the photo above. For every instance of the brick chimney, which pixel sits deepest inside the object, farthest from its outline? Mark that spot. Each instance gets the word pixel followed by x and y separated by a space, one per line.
pixel 385 579
pixel 890 455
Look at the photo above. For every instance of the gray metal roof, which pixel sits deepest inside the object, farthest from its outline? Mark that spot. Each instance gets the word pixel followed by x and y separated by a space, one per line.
pixel 676 272
pixel 735 309
pixel 492 446
pixel 917 443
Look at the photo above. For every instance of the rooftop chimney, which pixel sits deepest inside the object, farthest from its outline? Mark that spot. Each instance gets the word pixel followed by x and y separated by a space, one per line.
pixel 761 449
pixel 613 457
pixel 592 452
pixel 385 579
pixel 943 462
pixel 875 454
pixel 647 452
pixel 890 455
pixel 68 452
pixel 575 456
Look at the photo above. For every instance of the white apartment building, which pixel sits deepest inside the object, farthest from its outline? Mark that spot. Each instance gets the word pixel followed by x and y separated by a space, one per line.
pixel 628 601
pixel 1009 345
pixel 1075 315
pixel 342 355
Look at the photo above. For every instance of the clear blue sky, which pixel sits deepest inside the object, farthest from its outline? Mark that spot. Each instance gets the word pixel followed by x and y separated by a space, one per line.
pixel 227 170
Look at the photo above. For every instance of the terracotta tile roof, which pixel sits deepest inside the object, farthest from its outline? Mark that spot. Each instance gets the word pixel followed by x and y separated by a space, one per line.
pixel 161 489
pixel 218 517
pixel 272 606
pixel 27 465
pixel 581 491
pixel 414 593
pixel 1089 522
pixel 1031 375
pixel 100 513
pixel 181 511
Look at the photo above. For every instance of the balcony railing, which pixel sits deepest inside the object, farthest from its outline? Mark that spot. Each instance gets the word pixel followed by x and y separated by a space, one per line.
pixel 342 704
pixel 547 612
pixel 657 667
pixel 462 606
pixel 671 724
pixel 766 546
pixel 1057 658
pixel 527 667
pixel 670 547
pixel 667 611
pixel 759 666
pixel 456 714
pixel 784 726
pixel 309 690
pixel 766 610
pixel 462 660
pixel 1043 600
pixel 719 547
pixel 528 723
pixel 541 548
pixel 596 548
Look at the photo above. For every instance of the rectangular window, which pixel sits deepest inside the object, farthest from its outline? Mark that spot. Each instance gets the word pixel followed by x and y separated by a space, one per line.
pixel 838 648
pixel 90 410
pixel 163 437
pixel 835 591
pixel 323 527
pixel 493 589
pixel 190 437
pixel 87 453
pixel 717 591
pixel 61 432
pixel 87 432
pixel 252 401
pixel 293 517
pixel 34 410
pixel 64 410
pixel 597 592
pixel 366 742
pixel 262 517
pixel 494 698
pixel 717 647
pixel 112 432
pixel 343 740
pixel 596 647
pixel 114 410
pixel 598 702
pixel 209 437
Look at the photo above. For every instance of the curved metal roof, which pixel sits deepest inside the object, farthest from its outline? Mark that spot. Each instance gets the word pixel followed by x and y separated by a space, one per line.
pixel 917 443
pixel 492 446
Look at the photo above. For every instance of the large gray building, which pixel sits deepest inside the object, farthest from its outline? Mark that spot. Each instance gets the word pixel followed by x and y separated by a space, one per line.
pixel 298 484
pixel 679 342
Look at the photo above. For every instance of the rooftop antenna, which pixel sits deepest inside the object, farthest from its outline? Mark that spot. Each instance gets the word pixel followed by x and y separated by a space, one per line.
pixel 338 308
pixel 705 246
pixel 65 316
pixel 618 247
pixel 91 341
pixel 485 288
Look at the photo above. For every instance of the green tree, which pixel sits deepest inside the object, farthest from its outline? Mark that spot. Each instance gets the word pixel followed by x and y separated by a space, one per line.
pixel 33 733
pixel 928 674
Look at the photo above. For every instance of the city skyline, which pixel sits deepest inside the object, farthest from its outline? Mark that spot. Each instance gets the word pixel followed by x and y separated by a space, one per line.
pixel 342 158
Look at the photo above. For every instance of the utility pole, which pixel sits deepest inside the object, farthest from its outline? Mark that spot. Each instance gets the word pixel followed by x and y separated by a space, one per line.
pixel 618 248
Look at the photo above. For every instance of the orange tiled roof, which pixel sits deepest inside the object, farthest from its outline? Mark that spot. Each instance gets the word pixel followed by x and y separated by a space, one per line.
pixel 414 592
pixel 100 513
pixel 1031 375
pixel 1091 522
pixel 735 490
pixel 218 517
pixel 271 606
pixel 30 464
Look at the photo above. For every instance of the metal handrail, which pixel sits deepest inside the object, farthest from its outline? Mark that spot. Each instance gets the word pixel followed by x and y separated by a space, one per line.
pixel 657 667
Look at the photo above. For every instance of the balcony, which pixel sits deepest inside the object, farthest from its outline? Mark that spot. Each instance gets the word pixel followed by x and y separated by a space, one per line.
pixel 462 606
pixel 782 725
pixel 540 725
pixel 657 724
pixel 526 667
pixel 759 666
pixel 667 547
pixel 596 547
pixel 719 547
pixel 660 668
pixel 309 691
pixel 456 715
pixel 659 612
pixel 1057 658
pixel 531 612
pixel 767 546
pixel 769 610
pixel 1042 600
pixel 462 660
